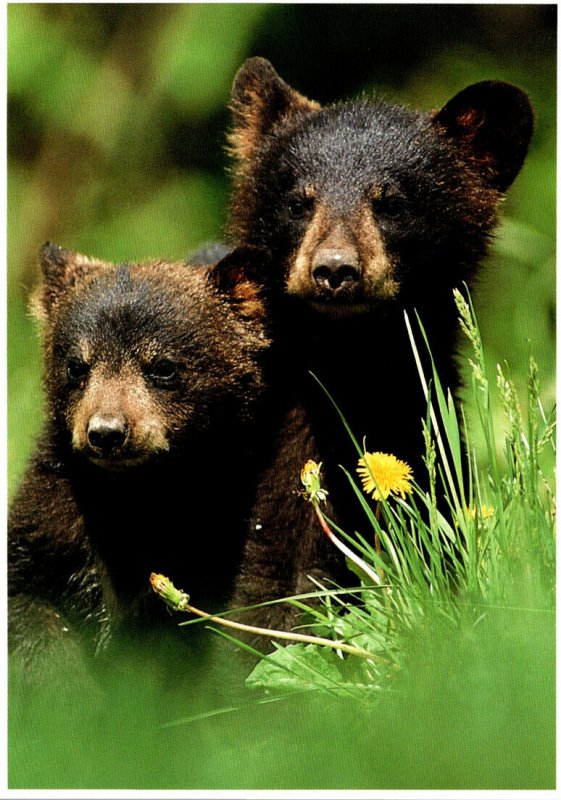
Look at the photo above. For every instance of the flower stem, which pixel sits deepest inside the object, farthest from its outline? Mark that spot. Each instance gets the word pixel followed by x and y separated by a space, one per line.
pixel 346 550
pixel 179 601
pixel 274 634
pixel 377 544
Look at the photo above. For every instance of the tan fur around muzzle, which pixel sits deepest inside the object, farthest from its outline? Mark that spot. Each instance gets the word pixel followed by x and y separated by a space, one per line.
pixel 123 395
pixel 356 234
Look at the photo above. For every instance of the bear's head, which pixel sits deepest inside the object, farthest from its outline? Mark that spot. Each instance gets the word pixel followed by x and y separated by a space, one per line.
pixel 144 359
pixel 366 204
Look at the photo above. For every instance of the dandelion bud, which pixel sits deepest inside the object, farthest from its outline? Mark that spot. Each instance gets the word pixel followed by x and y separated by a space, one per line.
pixel 164 588
pixel 311 482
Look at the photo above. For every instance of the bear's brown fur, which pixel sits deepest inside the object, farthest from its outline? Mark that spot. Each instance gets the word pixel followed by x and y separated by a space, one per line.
pixel 153 374
pixel 369 210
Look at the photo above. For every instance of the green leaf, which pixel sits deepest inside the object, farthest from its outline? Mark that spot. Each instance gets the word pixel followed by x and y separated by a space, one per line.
pixel 297 666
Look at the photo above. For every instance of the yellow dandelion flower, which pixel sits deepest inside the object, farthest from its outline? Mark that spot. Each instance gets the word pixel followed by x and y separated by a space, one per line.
pixel 310 477
pixel 383 474
pixel 472 512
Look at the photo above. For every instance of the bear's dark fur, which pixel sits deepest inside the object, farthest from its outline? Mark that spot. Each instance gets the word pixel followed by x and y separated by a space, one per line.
pixel 369 210
pixel 153 374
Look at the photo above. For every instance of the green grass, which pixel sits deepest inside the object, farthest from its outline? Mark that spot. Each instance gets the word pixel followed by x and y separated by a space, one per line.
pixel 488 549
pixel 473 713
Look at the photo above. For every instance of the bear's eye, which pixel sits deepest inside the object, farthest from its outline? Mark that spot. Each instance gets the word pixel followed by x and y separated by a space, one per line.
pixel 299 207
pixel 77 371
pixel 163 372
pixel 389 204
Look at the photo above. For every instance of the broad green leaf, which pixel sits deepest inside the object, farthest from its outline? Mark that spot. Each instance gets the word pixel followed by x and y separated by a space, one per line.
pixel 297 666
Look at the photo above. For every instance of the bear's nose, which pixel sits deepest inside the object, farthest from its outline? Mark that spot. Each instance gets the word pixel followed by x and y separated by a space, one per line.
pixel 335 269
pixel 106 433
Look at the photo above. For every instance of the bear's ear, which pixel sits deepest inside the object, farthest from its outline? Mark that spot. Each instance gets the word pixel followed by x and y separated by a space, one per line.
pixel 260 100
pixel 244 277
pixel 61 270
pixel 495 122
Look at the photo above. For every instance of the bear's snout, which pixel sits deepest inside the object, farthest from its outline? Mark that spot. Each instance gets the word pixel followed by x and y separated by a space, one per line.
pixel 117 423
pixel 106 434
pixel 336 270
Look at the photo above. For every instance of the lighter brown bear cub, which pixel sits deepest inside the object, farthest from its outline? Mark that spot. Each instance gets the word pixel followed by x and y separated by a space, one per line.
pixel 153 373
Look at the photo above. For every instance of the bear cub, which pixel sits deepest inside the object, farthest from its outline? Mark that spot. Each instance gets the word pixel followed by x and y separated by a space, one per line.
pixel 369 210
pixel 153 374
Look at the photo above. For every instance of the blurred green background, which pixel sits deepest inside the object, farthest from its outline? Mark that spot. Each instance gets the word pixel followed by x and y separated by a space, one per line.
pixel 117 122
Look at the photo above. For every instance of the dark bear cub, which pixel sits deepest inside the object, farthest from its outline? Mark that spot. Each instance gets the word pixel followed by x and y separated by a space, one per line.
pixel 369 210
pixel 153 375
